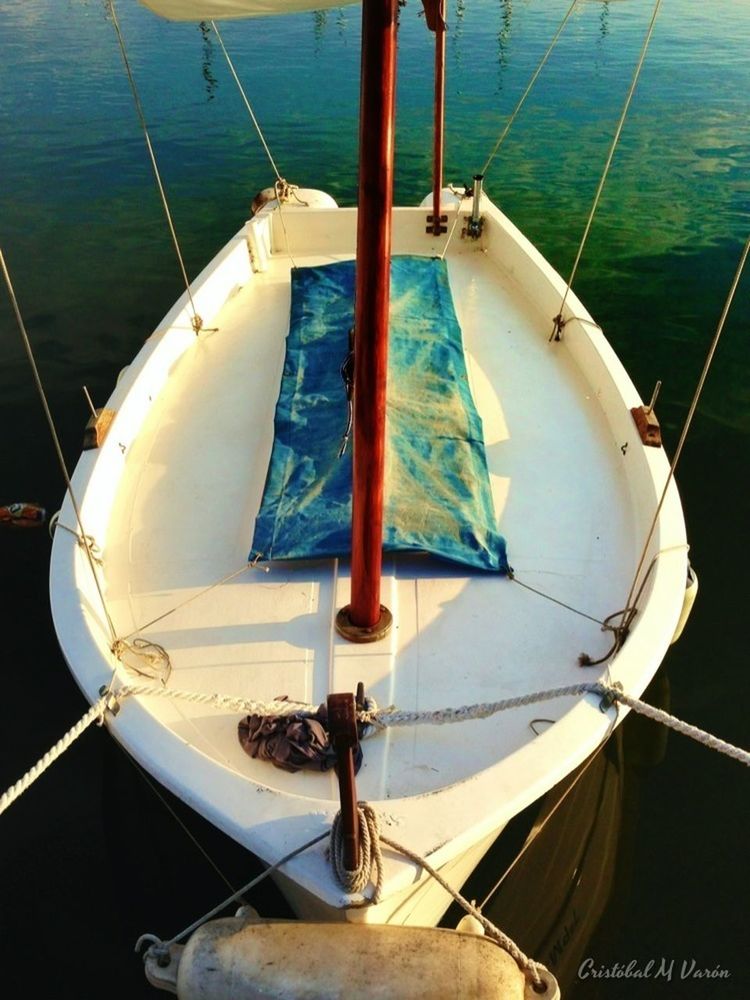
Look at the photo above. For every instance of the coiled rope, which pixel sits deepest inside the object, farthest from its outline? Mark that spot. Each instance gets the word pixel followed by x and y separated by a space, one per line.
pixel 370 866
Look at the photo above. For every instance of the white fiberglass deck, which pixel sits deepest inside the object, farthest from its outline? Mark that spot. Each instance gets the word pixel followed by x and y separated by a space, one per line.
pixel 174 491
pixel 193 483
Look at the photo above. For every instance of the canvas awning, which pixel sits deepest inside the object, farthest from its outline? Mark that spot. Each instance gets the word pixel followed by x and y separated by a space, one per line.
pixel 215 10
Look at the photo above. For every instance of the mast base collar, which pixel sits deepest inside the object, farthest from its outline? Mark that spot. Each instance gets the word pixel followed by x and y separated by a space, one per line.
pixel 362 633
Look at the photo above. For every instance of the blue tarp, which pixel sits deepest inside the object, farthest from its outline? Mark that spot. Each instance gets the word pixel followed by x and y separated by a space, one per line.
pixel 437 491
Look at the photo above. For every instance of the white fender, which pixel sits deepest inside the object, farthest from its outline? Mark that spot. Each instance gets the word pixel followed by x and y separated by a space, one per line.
pixel 290 960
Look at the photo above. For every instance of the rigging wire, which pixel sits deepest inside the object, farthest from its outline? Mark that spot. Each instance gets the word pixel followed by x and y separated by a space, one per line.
pixel 559 321
pixel 197 322
pixel 281 186
pixel 194 597
pixel 237 894
pixel 689 417
pixel 539 826
pixel 568 607
pixel 244 890
pixel 461 197
pixel 250 111
pixel 509 123
pixel 56 442
pixel 526 92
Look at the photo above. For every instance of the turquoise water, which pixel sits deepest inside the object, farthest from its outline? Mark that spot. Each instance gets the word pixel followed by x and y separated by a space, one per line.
pixel 82 230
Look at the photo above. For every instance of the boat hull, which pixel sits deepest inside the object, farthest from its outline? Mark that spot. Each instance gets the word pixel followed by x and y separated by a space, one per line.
pixel 421 904
pixel 170 497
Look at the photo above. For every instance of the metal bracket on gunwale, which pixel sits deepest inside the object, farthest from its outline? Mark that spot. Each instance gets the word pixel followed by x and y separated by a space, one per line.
pixel 430 229
pixel 475 222
pixel 646 422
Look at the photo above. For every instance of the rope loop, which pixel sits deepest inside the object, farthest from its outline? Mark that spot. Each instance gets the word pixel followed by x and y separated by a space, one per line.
pixel 143 657
pixel 284 191
pixel 157 949
pixel 84 541
pixel 619 631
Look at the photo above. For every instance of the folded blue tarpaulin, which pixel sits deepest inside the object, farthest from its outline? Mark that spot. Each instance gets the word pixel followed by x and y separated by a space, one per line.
pixel 437 492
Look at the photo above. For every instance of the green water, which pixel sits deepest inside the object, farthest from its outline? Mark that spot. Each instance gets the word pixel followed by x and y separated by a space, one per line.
pixel 83 233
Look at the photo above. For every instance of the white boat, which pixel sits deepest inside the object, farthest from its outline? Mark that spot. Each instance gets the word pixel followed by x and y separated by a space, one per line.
pixel 171 496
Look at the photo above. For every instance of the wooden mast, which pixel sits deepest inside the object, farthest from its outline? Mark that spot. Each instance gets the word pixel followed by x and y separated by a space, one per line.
pixel 435 13
pixel 364 619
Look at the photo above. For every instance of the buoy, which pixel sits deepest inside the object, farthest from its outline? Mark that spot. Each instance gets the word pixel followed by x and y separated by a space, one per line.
pixel 23 515
pixel 250 959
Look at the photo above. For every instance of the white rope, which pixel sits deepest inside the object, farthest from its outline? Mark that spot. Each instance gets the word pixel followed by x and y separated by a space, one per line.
pixel 444 716
pixel 382 718
pixel 390 717
pixel 370 856
pixel 229 703
pixel 685 728
pixel 94 714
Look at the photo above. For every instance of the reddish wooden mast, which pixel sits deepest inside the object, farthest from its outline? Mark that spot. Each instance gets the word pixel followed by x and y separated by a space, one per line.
pixel 364 619
pixel 435 14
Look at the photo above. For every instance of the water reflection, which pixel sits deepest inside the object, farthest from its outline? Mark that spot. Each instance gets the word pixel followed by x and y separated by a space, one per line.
pixel 320 19
pixel 455 31
pixel 554 873
pixel 604 19
pixel 341 22
pixel 503 38
pixel 207 58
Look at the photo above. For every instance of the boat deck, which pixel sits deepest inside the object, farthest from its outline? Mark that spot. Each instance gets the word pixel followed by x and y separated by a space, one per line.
pixel 192 484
